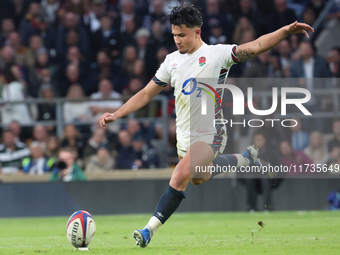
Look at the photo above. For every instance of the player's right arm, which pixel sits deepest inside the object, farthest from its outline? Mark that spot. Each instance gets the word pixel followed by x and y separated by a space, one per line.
pixel 133 104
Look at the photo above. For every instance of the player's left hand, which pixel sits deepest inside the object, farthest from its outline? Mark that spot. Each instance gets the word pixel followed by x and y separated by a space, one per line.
pixel 297 28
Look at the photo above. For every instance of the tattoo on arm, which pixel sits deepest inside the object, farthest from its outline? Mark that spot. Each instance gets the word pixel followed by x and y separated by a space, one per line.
pixel 260 44
pixel 244 55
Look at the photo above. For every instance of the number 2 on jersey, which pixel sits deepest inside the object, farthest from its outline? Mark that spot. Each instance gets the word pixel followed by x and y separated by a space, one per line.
pixel 199 92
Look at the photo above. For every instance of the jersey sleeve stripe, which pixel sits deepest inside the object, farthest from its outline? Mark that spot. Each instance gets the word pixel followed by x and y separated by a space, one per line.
pixel 158 82
pixel 233 55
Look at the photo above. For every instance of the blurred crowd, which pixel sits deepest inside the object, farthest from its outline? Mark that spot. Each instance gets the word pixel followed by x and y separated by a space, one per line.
pixel 110 49
pixel 303 153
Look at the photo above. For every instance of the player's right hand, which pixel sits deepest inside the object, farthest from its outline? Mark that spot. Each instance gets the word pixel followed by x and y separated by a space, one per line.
pixel 106 118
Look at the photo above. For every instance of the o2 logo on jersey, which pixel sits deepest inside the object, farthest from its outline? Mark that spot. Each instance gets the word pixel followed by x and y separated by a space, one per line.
pixel 200 89
pixel 239 98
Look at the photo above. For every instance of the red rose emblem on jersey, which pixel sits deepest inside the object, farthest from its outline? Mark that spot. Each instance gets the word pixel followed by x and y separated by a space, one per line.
pixel 202 61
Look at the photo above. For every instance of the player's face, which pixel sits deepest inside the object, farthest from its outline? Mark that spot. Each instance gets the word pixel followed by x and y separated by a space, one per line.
pixel 186 38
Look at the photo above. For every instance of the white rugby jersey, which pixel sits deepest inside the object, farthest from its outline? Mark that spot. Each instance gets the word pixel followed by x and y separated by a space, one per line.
pixel 209 65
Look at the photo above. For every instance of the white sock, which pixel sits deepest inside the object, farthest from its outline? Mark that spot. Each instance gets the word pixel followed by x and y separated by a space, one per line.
pixel 241 160
pixel 153 225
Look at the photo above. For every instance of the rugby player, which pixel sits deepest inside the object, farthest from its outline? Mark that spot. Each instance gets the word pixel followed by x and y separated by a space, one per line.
pixel 199 143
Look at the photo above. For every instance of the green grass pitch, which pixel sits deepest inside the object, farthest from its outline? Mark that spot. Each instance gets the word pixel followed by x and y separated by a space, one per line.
pixel 312 232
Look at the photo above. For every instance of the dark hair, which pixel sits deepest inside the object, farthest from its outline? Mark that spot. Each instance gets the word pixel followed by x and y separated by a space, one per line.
pixel 336 48
pixel 8 74
pixel 259 132
pixel 186 15
pixel 7 130
pixel 314 49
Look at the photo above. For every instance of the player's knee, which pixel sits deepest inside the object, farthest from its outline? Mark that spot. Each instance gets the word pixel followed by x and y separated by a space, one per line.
pixel 197 181
pixel 179 179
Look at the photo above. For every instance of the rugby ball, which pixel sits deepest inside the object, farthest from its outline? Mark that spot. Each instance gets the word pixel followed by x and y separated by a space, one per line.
pixel 80 229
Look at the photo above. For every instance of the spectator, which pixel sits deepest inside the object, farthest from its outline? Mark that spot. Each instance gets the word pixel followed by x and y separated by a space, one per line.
pixel 47 111
pixel 294 159
pixel 248 10
pixel 265 185
pixel 98 139
pixel 77 7
pixel 172 149
pixel 104 68
pixel 146 155
pixel 128 36
pixel 151 69
pixel 155 14
pixel 334 159
pixel 300 138
pixel 35 44
pixel 273 133
pixel 216 35
pixel 159 37
pixel 212 16
pixel 15 127
pixel 67 170
pixel 107 37
pixel 333 59
pixel 11 153
pixel 44 79
pixel 17 10
pixel 129 57
pixel 261 67
pixel 37 163
pixel 308 16
pixel 91 18
pixel 242 26
pixel 74 57
pixel 41 62
pixel 13 91
pixel 138 71
pixel 102 161
pixel 112 104
pixel 334 12
pixel 72 77
pixel 294 42
pixel 52 147
pixel 317 150
pixel 280 16
pixel 76 110
pixel 19 49
pixel 40 135
pixel 335 142
pixel 143 48
pixel 47 33
pixel 72 138
pixel 128 12
pixel 7 27
pixel 29 23
pixel 126 155
pixel 71 23
pixel 49 10
pixel 133 127
pixel 311 66
pixel 316 6
pixel 133 88
pixel 7 57
pixel 285 53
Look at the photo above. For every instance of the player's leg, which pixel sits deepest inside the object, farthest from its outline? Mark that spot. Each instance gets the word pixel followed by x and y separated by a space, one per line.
pixel 199 153
pixel 247 158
